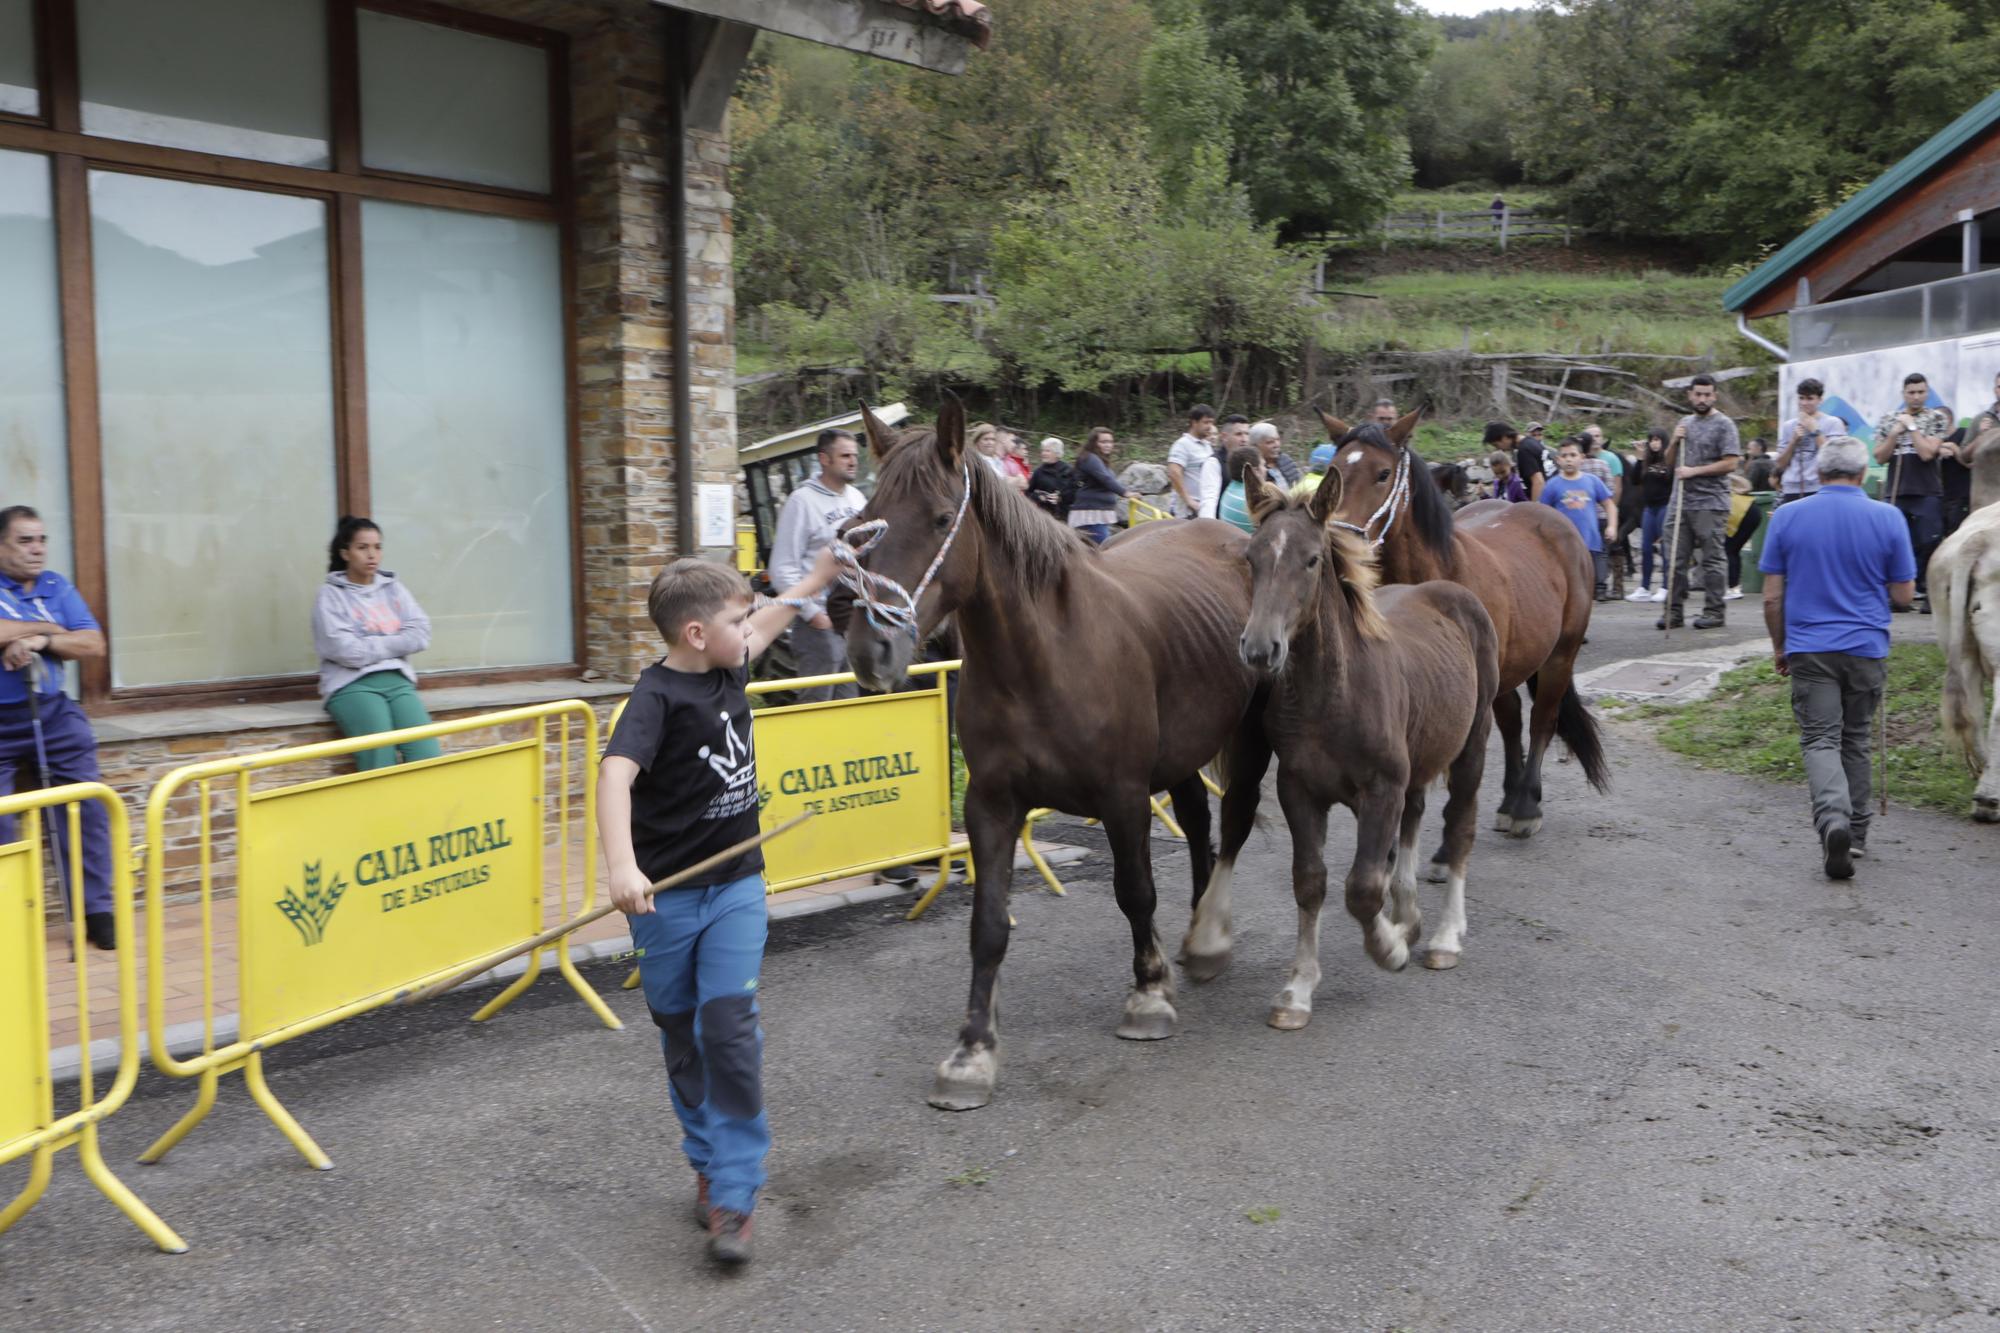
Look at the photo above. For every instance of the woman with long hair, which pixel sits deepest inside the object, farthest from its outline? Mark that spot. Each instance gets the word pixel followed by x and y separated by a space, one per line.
pixel 367 627
pixel 1656 480
pixel 1095 508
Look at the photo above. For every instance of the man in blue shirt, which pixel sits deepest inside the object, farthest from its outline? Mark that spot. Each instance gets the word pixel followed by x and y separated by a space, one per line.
pixel 1833 564
pixel 44 623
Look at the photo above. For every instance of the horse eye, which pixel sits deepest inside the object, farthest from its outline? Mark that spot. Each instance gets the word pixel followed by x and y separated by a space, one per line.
pixel 1312 562
pixel 1383 475
pixel 944 522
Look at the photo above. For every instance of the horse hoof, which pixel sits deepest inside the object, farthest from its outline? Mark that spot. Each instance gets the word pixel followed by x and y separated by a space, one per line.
pixel 1201 967
pixel 1441 960
pixel 1394 959
pixel 1437 872
pixel 1289 1020
pixel 965 1081
pixel 1148 1017
pixel 1503 823
pixel 1525 828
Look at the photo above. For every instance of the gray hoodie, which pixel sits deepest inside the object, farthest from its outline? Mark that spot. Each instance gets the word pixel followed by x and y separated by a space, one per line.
pixel 812 515
pixel 358 630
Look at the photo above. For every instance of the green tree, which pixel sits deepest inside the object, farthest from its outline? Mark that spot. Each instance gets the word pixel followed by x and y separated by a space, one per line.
pixel 1463 124
pixel 1319 141
pixel 1101 280
pixel 1733 124
pixel 1191 98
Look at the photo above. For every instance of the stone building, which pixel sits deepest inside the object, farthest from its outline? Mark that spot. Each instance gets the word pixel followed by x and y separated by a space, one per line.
pixel 464 268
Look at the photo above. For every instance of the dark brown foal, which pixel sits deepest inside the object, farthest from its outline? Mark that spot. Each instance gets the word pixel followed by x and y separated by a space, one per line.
pixel 1374 696
pixel 1529 569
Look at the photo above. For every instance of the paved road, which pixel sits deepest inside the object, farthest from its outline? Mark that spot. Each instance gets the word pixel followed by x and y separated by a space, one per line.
pixel 1680 1082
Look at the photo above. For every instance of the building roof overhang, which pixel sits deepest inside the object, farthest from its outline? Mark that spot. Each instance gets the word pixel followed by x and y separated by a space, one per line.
pixel 933 34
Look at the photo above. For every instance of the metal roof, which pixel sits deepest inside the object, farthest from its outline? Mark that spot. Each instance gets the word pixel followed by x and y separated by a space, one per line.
pixel 1935 150
pixel 804 437
pixel 969 18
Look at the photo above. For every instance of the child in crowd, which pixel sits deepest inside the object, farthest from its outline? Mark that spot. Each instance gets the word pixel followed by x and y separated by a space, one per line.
pixel 1506 483
pixel 679 784
pixel 1582 499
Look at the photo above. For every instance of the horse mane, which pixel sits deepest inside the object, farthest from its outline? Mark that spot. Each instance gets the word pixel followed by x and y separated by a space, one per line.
pixel 1354 567
pixel 1429 510
pixel 1039 547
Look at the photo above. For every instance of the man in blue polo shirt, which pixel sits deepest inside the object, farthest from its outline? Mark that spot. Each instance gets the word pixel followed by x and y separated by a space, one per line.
pixel 44 623
pixel 1833 564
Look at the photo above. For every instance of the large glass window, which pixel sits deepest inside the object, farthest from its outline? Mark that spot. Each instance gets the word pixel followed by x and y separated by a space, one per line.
pixel 34 451
pixel 215 367
pixel 459 105
pixel 246 78
pixel 17 58
pixel 467 428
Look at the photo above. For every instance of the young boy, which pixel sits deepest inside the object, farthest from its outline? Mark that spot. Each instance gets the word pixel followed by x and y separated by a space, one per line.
pixel 1506 486
pixel 679 784
pixel 1581 498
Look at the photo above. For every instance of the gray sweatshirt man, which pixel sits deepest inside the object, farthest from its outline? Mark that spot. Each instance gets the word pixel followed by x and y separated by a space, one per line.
pixel 812 516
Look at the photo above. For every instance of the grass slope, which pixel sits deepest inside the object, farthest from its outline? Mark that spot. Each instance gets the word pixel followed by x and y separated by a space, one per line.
pixel 1746 726
pixel 1654 312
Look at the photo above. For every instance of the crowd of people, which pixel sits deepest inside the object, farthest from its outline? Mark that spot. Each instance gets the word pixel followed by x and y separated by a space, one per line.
pixel 1922 457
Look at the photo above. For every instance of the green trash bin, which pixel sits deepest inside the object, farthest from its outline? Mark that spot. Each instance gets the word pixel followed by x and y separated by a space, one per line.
pixel 1753 577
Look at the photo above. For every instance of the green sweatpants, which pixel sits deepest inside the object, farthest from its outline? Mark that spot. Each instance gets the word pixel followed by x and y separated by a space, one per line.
pixel 381 701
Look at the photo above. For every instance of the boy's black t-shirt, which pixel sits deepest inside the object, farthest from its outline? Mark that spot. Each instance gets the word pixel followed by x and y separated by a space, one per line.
pixel 696 792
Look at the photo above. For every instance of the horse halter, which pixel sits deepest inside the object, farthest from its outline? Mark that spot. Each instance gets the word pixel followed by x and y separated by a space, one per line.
pixel 1391 509
pixel 865 583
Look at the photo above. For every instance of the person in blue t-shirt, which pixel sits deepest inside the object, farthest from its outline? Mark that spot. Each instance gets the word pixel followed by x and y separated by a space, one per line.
pixel 44 623
pixel 1834 563
pixel 1585 501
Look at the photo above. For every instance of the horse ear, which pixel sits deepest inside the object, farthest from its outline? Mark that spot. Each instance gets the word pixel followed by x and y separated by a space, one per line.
pixel 1335 427
pixel 1326 500
pixel 1259 496
pixel 880 438
pixel 1401 431
pixel 951 430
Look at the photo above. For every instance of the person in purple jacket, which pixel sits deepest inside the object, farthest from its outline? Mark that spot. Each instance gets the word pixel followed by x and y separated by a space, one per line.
pixel 367 627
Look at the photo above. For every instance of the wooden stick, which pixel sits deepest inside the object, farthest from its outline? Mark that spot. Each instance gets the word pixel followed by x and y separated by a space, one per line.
pixel 1882 760
pixel 1674 543
pixel 554 933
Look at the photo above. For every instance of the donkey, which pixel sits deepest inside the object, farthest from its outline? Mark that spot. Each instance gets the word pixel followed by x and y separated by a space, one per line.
pixel 1375 695
pixel 1965 583
pixel 1093 678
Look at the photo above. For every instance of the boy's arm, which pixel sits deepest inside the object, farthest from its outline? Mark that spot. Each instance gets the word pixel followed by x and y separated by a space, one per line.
pixel 768 622
pixel 626 882
pixel 1609 508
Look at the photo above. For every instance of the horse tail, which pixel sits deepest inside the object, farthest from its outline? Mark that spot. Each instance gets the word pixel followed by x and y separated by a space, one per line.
pixel 1577 726
pixel 1964 678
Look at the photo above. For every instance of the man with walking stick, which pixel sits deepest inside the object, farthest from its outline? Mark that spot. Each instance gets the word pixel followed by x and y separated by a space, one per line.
pixel 1706 450
pixel 1911 440
pixel 45 741
pixel 1833 566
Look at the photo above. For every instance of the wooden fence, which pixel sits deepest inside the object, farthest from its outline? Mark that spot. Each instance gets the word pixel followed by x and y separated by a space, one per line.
pixel 1508 224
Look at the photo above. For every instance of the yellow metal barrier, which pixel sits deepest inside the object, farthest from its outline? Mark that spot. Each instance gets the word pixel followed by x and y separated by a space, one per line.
pixel 1138 511
pixel 442 861
pixel 28 1122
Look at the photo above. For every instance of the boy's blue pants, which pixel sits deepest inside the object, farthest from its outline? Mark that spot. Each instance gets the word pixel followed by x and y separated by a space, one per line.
pixel 702 949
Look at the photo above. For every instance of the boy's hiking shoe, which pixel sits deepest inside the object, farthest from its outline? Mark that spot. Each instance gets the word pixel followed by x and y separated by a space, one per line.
pixel 729 1236
pixel 701 1206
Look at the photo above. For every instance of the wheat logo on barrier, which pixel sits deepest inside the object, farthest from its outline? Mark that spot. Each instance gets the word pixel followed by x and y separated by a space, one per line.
pixel 311 910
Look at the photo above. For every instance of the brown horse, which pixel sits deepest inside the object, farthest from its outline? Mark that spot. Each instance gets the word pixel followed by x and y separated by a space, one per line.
pixel 1375 697
pixel 1529 569
pixel 1093 678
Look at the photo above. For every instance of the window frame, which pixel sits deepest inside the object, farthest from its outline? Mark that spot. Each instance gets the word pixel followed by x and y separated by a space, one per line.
pixel 57 135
